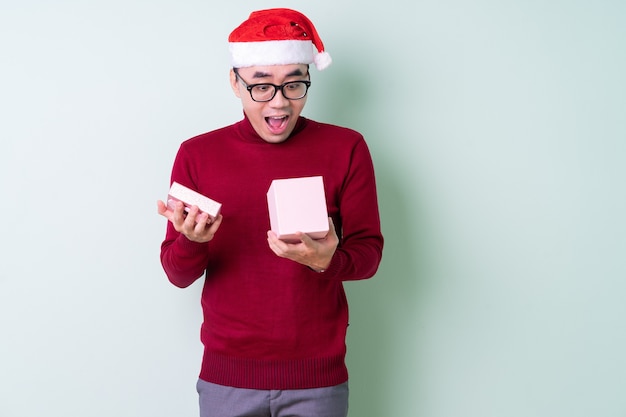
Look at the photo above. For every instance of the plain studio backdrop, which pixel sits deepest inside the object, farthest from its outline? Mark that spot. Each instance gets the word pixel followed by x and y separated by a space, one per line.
pixel 497 130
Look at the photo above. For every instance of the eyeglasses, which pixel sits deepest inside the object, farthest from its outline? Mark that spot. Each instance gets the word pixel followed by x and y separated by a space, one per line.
pixel 292 90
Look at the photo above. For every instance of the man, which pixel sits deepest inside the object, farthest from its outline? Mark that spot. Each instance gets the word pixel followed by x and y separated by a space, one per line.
pixel 275 312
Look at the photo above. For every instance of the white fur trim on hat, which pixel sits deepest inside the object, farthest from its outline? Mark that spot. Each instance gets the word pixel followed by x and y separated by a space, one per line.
pixel 283 52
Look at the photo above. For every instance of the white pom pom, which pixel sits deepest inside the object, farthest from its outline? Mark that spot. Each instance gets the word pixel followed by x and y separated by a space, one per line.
pixel 322 60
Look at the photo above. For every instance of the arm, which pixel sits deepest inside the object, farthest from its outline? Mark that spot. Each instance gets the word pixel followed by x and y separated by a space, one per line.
pixel 357 252
pixel 184 252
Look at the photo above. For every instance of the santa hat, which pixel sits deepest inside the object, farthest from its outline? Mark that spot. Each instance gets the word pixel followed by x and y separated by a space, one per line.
pixel 277 37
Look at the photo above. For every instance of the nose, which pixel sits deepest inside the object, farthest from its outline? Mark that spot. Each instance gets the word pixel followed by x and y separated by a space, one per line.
pixel 279 99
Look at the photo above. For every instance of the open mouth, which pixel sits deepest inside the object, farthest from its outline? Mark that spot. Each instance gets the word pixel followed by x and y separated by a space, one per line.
pixel 276 124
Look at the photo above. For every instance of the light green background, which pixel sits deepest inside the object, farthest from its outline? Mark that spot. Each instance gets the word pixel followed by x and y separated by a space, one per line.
pixel 497 130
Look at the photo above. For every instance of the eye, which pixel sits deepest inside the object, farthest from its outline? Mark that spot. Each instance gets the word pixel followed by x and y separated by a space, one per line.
pixel 262 88
pixel 293 86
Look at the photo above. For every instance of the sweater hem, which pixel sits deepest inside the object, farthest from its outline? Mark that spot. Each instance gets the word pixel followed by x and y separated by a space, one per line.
pixel 273 373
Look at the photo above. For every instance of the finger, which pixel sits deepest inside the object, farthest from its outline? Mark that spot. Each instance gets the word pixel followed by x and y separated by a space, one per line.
pixel 278 246
pixel 305 239
pixel 206 227
pixel 163 210
pixel 215 224
pixel 273 238
pixel 190 219
pixel 178 215
pixel 201 222
pixel 331 228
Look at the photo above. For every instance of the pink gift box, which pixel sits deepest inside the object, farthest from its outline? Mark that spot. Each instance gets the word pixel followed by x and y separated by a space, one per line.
pixel 298 205
pixel 190 198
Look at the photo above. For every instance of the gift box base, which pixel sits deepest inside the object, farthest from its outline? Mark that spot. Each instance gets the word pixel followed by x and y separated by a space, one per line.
pixel 298 205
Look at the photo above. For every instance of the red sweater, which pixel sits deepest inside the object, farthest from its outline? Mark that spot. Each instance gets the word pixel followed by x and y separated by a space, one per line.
pixel 269 322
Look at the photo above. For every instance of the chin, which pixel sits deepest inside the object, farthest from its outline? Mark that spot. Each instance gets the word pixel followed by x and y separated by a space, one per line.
pixel 275 139
pixel 271 137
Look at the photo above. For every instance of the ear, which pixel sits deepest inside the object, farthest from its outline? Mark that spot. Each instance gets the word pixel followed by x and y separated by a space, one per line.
pixel 234 83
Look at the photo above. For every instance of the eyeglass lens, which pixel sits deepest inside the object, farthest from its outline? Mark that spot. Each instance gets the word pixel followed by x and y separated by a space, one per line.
pixel 293 90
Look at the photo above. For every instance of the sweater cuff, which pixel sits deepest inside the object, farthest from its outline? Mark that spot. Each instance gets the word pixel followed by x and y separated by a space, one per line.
pixel 334 268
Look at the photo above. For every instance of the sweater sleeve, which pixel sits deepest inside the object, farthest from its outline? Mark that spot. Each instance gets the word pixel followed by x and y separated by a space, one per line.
pixel 361 242
pixel 183 261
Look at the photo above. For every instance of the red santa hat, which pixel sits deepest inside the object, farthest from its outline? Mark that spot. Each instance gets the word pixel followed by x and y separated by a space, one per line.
pixel 277 37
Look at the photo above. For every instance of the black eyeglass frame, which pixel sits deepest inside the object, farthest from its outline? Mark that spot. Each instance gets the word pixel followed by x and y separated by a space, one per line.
pixel 249 87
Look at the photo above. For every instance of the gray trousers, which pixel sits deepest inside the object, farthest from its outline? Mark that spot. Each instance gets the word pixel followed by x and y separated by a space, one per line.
pixel 220 401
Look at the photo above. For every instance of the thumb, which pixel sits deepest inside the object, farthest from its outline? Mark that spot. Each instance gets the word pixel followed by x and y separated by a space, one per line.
pixel 331 225
pixel 161 208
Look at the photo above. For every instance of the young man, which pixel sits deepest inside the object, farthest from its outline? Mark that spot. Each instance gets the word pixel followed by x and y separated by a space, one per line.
pixel 275 312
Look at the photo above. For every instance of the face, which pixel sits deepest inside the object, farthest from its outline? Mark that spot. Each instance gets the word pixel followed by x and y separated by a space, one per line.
pixel 273 120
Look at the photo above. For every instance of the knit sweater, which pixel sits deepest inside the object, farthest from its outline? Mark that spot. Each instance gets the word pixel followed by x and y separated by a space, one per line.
pixel 269 322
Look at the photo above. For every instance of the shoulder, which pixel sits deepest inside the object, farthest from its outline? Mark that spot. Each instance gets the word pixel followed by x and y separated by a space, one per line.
pixel 333 132
pixel 208 138
pixel 328 127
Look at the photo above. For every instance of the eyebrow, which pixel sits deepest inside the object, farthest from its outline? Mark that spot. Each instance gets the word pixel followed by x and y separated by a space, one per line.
pixel 260 74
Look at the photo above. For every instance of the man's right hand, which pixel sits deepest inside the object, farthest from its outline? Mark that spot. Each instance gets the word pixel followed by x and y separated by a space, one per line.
pixel 194 225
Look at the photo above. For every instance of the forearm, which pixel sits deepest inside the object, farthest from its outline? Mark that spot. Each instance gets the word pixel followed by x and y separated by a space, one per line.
pixel 356 261
pixel 358 221
pixel 183 261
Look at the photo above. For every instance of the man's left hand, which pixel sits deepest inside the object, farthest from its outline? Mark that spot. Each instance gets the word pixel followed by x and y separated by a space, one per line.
pixel 316 254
